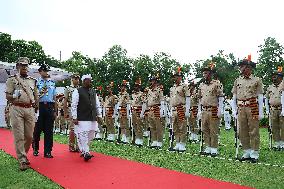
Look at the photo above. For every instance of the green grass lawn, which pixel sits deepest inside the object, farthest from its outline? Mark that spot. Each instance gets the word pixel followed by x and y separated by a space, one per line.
pixel 254 175
pixel 12 178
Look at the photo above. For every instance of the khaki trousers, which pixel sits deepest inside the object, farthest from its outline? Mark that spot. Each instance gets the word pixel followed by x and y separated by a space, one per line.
pixel 210 129
pixel 156 127
pixel 110 125
pixel 137 124
pixel 60 122
pixel 277 123
pixel 179 127
pixel 249 129
pixel 73 143
pixel 23 123
pixel 124 126
pixel 145 122
pixel 193 124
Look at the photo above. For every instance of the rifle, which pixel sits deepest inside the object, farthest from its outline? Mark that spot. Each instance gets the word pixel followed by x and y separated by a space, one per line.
pixel 270 132
pixel 236 138
pixel 171 136
pixel 201 136
pixel 129 117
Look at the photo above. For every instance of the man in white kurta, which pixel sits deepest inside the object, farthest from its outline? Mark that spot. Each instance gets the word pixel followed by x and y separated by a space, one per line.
pixel 85 110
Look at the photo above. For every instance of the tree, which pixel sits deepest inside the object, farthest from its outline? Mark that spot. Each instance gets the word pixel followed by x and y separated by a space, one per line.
pixel 5 46
pixel 270 57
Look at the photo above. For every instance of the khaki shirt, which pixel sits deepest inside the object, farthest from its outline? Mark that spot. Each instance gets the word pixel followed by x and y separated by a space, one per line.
pixel 110 101
pixel 209 93
pixel 155 96
pixel 193 97
pixel 137 99
pixel 123 98
pixel 273 93
pixel 178 94
pixel 29 84
pixel 68 94
pixel 246 88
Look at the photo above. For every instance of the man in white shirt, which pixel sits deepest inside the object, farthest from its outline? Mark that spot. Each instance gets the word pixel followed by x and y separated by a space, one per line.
pixel 86 113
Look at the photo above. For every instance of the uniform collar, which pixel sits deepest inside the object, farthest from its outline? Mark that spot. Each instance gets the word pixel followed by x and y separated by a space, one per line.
pixel 243 77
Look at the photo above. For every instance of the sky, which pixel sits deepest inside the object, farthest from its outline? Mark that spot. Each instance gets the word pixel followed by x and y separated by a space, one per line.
pixel 188 30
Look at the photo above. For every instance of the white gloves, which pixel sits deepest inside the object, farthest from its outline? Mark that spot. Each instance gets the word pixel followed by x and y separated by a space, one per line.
pixel 220 106
pixel 260 106
pixel 128 111
pixel 234 106
pixel 115 111
pixel 17 93
pixel 143 110
pixel 199 111
pixel 282 103
pixel 162 109
pixel 187 106
pixel 36 115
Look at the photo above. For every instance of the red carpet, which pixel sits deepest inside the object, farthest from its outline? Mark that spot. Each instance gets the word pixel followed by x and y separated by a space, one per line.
pixel 104 172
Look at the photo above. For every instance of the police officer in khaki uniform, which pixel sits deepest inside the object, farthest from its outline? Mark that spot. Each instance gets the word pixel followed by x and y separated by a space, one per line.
pixel 211 100
pixel 60 125
pixel 145 112
pixel 109 105
pixel 75 81
pixel 178 94
pixel 21 91
pixel 193 112
pixel 137 102
pixel 100 132
pixel 247 106
pixel 155 102
pixel 273 108
pixel 123 101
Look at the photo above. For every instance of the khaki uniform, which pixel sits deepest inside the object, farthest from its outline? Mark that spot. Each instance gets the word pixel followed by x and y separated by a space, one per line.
pixel 273 93
pixel 73 145
pixel 208 94
pixel 154 98
pixel 137 108
pixel 145 121
pixel 178 94
pixel 247 91
pixel 193 111
pixel 60 120
pixel 99 135
pixel 110 102
pixel 22 113
pixel 123 99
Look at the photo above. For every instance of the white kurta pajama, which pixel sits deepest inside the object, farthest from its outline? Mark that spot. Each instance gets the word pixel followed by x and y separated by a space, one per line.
pixel 85 129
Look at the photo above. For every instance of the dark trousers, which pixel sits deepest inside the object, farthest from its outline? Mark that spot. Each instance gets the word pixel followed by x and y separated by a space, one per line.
pixel 45 123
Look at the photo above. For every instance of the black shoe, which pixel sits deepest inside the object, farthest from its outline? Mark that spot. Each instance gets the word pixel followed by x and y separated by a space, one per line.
pixel 245 159
pixel 253 160
pixel 276 148
pixel 48 155
pixel 35 153
pixel 205 153
pixel 88 156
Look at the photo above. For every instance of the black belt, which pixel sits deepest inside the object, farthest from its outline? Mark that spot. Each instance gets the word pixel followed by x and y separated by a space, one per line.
pixel 46 104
